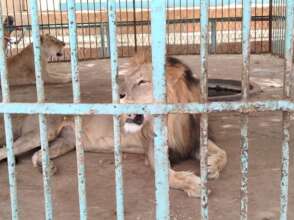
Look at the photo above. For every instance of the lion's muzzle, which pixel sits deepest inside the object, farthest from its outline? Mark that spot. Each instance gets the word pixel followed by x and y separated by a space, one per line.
pixel 137 119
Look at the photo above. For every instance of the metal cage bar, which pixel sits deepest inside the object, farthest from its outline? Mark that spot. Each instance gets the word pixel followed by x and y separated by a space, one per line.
pixel 159 109
pixel 150 109
pixel 204 98
pixel 246 23
pixel 77 99
pixel 8 125
pixel 41 99
pixel 161 164
pixel 288 77
pixel 116 122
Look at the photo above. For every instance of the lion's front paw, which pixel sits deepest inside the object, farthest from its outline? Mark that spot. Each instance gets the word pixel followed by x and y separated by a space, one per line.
pixel 213 167
pixel 192 184
pixel 52 168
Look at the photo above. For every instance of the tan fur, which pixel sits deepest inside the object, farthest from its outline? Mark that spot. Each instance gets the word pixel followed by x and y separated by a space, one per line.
pixel 21 67
pixel 136 87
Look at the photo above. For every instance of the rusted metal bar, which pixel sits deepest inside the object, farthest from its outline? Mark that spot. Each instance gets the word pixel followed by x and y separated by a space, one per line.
pixel 204 98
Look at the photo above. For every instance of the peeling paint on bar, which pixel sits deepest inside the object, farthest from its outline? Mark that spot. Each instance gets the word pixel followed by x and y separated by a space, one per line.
pixel 288 77
pixel 42 118
pixel 161 162
pixel 116 122
pixel 246 22
pixel 8 126
pixel 151 109
pixel 77 98
pixel 204 98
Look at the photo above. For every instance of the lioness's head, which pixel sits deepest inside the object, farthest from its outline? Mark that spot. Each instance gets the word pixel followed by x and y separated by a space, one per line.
pixel 8 25
pixel 51 46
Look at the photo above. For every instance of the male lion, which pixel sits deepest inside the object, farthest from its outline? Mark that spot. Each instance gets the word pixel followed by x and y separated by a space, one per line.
pixel 136 133
pixel 21 67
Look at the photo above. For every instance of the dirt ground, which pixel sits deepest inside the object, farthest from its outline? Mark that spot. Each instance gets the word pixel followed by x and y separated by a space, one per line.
pixel 264 157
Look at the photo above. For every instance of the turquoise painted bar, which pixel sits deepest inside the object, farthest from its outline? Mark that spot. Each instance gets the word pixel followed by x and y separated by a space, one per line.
pixel 204 4
pixel 151 109
pixel 161 162
pixel 42 118
pixel 246 22
pixel 8 126
pixel 288 78
pixel 159 109
pixel 116 122
pixel 77 98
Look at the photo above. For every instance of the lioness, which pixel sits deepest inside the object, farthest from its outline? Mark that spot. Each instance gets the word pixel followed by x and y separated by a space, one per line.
pixel 21 67
pixel 137 133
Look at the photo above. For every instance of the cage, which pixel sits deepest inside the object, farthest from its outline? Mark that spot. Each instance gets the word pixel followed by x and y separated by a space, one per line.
pixel 242 53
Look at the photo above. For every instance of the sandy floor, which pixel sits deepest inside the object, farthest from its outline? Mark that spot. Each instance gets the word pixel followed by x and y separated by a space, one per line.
pixel 264 157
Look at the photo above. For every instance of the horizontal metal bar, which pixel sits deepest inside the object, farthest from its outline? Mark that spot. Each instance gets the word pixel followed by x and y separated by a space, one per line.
pixel 152 109
pixel 138 23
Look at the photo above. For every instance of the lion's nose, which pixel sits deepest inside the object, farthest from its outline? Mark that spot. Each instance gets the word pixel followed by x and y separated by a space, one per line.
pixel 122 95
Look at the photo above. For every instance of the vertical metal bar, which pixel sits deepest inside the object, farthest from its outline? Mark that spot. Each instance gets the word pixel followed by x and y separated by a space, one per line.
pixel 255 27
pixel 83 30
pixel 213 36
pixel 77 98
pixel 8 125
pixel 270 25
pixel 101 31
pixel 158 34
pixel 204 4
pixel 41 99
pixel 13 9
pixel 246 23
pixel 48 17
pixel 135 24
pixel 96 27
pixel 115 99
pixel 288 77
pixel 128 28
pixel 89 29
pixel 62 30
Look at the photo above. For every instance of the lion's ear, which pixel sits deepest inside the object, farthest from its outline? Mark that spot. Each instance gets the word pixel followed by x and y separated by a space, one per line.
pixel 142 56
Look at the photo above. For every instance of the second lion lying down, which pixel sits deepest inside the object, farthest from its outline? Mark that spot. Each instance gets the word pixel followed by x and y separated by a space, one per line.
pixel 135 81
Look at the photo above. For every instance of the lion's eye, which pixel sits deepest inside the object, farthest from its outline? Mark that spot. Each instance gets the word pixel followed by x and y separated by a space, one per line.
pixel 142 82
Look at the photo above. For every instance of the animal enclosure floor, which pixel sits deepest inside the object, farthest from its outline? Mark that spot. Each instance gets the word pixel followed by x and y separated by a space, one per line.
pixel 265 139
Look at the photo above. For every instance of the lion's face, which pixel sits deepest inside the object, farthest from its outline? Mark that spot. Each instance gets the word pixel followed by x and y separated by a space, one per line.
pixel 51 46
pixel 135 87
